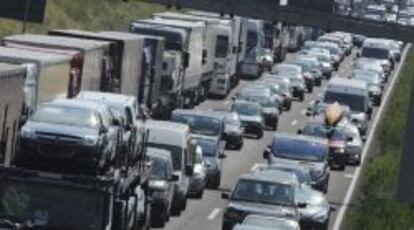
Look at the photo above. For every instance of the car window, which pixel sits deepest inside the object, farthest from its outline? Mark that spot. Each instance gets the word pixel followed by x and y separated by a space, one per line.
pixel 106 117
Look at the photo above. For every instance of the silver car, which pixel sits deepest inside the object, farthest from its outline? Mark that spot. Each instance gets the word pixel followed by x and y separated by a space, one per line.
pixel 199 178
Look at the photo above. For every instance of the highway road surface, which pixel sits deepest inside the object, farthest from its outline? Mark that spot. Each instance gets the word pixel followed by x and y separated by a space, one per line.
pixel 206 213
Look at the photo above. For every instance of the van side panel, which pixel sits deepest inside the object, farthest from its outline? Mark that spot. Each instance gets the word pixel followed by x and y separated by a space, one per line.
pixel 92 70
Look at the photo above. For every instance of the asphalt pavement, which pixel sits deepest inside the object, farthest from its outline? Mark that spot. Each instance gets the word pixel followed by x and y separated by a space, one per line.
pixel 206 213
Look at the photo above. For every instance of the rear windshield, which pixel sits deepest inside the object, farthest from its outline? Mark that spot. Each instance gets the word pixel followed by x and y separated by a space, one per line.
pixel 356 103
pixel 299 150
pixel 377 53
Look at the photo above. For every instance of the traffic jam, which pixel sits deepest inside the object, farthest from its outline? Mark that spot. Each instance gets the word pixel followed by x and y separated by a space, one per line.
pixel 190 120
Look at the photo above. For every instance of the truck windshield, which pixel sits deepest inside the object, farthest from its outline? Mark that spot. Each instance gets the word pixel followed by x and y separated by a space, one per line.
pixel 52 206
pixel 355 102
pixel 252 38
pixel 377 53
pixel 66 116
pixel 176 154
pixel 222 46
pixel 173 40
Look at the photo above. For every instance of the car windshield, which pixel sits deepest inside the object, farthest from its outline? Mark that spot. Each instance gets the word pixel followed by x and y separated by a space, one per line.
pixel 319 130
pixel 263 192
pixel 222 46
pixel 176 154
pixel 199 124
pixel 66 116
pixel 300 150
pixel 355 102
pixel 158 167
pixel 302 175
pixel 208 146
pixel 373 52
pixel 57 207
pixel 247 109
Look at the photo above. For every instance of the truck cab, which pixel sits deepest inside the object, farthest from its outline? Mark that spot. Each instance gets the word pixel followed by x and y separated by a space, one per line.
pixel 175 138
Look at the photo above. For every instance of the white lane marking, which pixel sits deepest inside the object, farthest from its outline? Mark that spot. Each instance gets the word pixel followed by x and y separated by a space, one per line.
pixel 348 175
pixel 226 102
pixel 311 102
pixel 294 122
pixel 255 166
pixel 320 94
pixel 303 112
pixel 380 112
pixel 213 214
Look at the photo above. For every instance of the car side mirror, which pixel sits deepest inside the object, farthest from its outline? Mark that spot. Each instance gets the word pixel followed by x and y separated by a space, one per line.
pixel 186 60
pixel 204 59
pixel 189 170
pixel 302 205
pixel 116 122
pixel 222 156
pixel 174 178
pixel 225 196
pixel 266 153
pixel 300 131
pixel 103 130
pixel 364 139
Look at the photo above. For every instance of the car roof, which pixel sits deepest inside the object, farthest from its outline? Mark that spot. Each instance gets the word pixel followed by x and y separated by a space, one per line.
pixel 294 137
pixel 77 103
pixel 168 125
pixel 280 177
pixel 350 83
pixel 249 227
pixel 159 153
pixel 103 96
pixel 196 113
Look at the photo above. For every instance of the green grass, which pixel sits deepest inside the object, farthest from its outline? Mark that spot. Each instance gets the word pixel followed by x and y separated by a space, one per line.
pixel 376 207
pixel 85 14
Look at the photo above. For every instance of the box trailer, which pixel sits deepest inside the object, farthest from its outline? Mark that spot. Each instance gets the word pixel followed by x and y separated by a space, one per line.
pixel 186 38
pixel 11 103
pixel 47 75
pixel 126 52
pixel 209 44
pixel 96 72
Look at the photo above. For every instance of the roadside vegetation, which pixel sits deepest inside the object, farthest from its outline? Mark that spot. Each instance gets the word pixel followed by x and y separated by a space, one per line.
pixel 85 14
pixel 376 206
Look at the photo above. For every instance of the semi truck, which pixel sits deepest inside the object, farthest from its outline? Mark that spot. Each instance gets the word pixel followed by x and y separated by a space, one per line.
pixel 11 104
pixel 47 76
pixel 185 39
pixel 94 64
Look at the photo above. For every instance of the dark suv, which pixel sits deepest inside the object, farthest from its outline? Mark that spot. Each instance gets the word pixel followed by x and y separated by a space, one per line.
pixel 70 135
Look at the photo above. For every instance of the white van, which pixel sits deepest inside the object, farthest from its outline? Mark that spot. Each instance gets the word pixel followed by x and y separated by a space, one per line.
pixel 174 137
pixel 353 93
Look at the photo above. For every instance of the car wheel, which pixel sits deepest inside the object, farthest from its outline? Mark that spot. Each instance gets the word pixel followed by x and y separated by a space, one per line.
pixel 200 194
pixel 342 167
pixel 310 89
pixel 288 106
pixel 260 134
pixel 302 97
pixel 184 204
pixel 275 124
pixel 238 146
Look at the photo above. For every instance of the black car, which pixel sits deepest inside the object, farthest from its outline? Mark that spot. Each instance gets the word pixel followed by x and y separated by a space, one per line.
pixel 270 109
pixel 71 135
pixel 308 151
pixel 161 186
pixel 213 153
pixel 251 116
pixel 261 193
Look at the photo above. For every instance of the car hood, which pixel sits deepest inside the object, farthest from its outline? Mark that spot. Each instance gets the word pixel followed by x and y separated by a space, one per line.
pixel 60 129
pixel 264 209
pixel 157 184
pixel 257 119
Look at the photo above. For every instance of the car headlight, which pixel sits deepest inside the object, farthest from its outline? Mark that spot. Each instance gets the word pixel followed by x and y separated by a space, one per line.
pixel 317 173
pixel 339 150
pixel 89 140
pixel 28 133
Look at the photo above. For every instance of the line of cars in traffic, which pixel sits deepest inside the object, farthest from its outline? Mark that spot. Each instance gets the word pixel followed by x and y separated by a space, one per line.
pixel 287 192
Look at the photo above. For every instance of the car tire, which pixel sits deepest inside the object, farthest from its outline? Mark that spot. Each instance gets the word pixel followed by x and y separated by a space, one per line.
pixel 238 146
pixel 302 97
pixel 260 134
pixel 288 106
pixel 275 124
pixel 200 194
pixel 310 89
pixel 342 167
pixel 184 204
